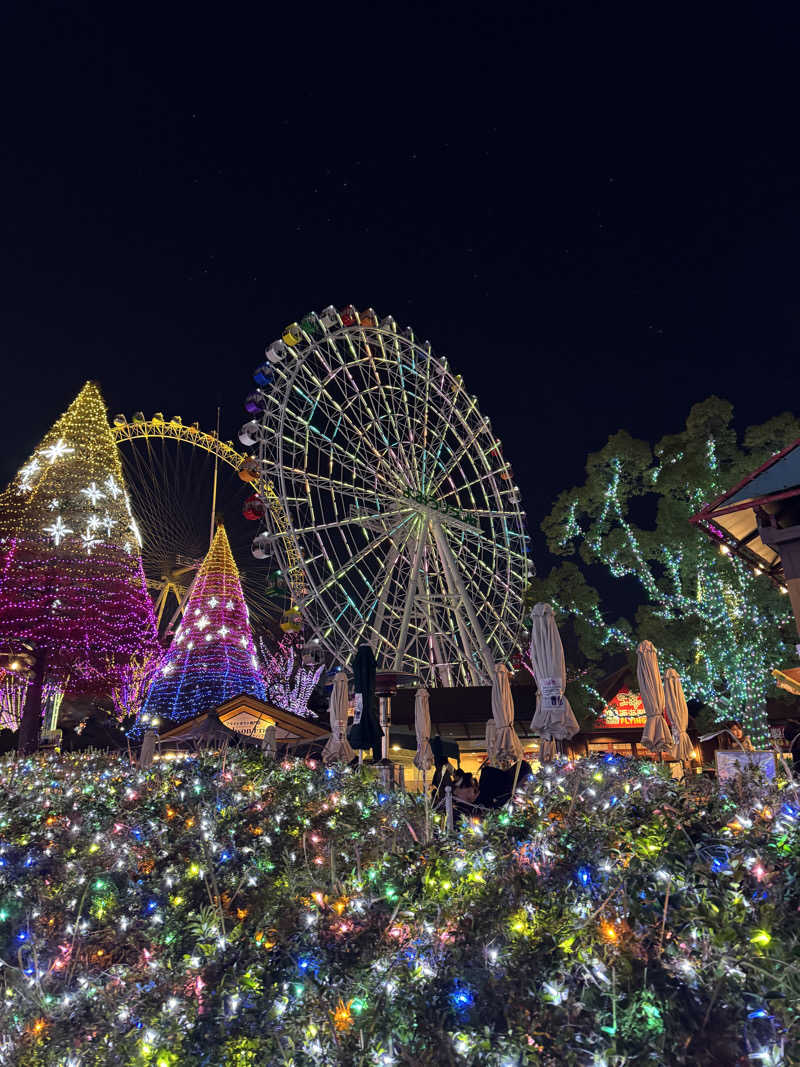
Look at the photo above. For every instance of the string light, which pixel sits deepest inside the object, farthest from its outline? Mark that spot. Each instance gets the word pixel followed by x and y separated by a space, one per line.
pixel 566 926
pixel 713 620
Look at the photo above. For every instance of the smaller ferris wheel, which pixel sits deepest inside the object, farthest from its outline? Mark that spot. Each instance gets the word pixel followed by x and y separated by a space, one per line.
pixel 401 513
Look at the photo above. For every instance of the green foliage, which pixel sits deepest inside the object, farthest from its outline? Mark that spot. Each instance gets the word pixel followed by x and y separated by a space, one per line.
pixel 613 916
pixel 722 627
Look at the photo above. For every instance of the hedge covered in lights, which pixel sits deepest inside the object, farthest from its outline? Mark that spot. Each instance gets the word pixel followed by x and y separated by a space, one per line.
pixel 242 912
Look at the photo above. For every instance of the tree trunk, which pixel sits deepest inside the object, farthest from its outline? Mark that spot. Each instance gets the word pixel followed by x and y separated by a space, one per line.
pixel 30 726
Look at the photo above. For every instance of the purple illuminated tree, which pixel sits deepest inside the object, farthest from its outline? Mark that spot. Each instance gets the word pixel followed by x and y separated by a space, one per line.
pixel 72 588
pixel 290 682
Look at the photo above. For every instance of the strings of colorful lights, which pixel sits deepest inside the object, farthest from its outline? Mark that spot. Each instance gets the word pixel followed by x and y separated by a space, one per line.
pixel 289 681
pixel 71 580
pixel 212 656
pixel 240 912
pixel 711 617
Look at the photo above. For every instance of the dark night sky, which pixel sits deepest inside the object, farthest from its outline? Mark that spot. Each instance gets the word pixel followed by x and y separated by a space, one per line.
pixel 592 209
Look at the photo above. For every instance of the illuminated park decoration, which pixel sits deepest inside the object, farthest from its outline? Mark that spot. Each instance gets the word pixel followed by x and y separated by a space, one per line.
pixel 212 656
pixel 71 581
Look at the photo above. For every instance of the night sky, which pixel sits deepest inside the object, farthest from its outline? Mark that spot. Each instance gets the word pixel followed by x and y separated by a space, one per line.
pixel 592 209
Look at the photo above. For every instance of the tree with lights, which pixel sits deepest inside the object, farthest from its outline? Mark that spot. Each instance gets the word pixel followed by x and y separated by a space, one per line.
pixel 719 624
pixel 212 657
pixel 72 587
pixel 290 682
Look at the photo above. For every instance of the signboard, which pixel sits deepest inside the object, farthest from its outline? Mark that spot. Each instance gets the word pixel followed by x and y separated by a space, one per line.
pixel 625 710
pixel 245 722
pixel 733 762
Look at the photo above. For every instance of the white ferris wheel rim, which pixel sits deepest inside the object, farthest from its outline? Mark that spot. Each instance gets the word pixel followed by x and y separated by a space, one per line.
pixel 401 508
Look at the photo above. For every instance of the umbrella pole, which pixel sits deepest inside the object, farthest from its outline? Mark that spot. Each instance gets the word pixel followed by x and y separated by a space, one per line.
pixel 427 807
pixel 448 807
pixel 514 786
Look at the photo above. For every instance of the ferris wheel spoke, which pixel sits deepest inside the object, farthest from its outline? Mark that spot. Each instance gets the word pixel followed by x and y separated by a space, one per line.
pixel 352 520
pixel 388 404
pixel 353 561
pixel 421 536
pixel 358 432
pixel 451 601
pixel 456 458
pixel 343 455
pixel 395 359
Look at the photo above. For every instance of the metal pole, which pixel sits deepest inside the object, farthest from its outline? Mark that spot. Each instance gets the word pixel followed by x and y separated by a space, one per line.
pixel 450 565
pixel 412 585
pixel 214 491
pixel 384 701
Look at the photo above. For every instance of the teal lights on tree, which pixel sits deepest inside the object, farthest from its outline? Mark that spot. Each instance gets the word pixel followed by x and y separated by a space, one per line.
pixel 718 623
pixel 212 657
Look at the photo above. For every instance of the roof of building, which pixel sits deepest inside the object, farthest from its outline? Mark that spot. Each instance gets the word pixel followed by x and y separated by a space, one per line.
pixel 731 518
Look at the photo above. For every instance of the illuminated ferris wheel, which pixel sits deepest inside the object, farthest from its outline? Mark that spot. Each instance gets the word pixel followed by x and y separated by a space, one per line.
pixel 403 516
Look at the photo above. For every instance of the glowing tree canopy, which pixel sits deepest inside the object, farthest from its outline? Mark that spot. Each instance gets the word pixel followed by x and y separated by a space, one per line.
pixel 71 579
pixel 290 682
pixel 719 623
pixel 212 657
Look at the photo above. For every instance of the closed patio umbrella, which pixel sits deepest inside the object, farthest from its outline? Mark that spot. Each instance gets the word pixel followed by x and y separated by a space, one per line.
pixel 508 747
pixel 147 751
pixel 366 731
pixel 655 737
pixel 678 715
pixel 554 719
pixel 337 748
pixel 423 760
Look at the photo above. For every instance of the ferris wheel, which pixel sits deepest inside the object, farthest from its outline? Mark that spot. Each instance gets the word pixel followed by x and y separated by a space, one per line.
pixel 179 477
pixel 403 516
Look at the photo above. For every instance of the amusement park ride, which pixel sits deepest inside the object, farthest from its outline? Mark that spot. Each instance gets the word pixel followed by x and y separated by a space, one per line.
pixel 385 504
pixel 398 516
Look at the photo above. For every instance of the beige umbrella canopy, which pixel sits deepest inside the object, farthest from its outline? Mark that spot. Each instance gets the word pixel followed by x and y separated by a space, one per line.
pixel 678 715
pixel 553 719
pixel 422 725
pixel 508 747
pixel 655 736
pixel 337 747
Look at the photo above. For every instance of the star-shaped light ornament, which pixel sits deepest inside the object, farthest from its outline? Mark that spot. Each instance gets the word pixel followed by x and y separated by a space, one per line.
pixel 202 622
pixel 108 522
pixel 229 605
pixel 57 451
pixel 93 493
pixel 111 485
pixel 89 541
pixel 27 473
pixel 223 631
pixel 58 531
pixel 213 602
pixel 54 504
pixel 243 642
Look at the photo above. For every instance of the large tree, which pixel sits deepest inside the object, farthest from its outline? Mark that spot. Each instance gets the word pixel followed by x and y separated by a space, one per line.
pixel 72 589
pixel 712 618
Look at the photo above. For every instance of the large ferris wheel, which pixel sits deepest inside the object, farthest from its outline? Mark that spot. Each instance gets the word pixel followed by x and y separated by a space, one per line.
pixel 401 513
